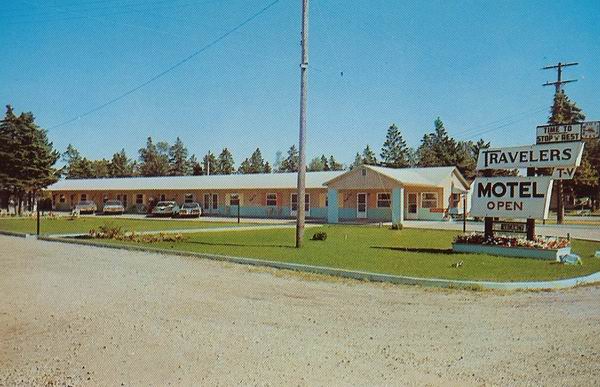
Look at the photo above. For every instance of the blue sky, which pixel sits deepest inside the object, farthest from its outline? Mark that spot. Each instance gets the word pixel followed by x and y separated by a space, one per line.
pixel 476 64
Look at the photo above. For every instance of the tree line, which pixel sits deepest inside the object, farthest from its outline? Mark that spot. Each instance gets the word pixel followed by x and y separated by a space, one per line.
pixel 162 159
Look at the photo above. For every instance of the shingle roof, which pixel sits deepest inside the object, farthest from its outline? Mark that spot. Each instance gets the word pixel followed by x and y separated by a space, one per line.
pixel 421 176
pixel 253 181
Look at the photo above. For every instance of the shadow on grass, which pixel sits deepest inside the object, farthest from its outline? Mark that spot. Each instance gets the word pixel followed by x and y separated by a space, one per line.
pixel 415 249
pixel 238 244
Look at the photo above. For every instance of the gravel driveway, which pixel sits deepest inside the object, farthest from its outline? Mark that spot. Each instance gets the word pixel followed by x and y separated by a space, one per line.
pixel 82 315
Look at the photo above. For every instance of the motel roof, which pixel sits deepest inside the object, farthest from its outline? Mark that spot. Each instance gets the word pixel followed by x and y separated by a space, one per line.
pixel 425 176
pixel 247 181
pixel 429 176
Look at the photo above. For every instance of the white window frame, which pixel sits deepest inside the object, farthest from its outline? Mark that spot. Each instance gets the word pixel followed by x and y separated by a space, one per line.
pixel 362 214
pixel 231 199
pixel 389 200
pixel 271 199
pixel 190 196
pixel 424 201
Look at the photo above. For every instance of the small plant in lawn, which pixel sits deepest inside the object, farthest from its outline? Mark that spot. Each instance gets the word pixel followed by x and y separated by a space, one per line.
pixel 396 226
pixel 319 236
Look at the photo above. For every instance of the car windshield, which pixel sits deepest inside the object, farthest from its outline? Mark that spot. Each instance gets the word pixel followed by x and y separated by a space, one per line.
pixel 113 203
pixel 86 203
pixel 164 204
pixel 190 205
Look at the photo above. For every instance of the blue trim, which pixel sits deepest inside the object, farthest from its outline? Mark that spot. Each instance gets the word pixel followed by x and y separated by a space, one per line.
pixel 332 206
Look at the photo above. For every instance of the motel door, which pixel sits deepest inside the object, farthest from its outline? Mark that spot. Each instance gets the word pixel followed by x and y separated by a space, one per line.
pixel 215 204
pixel 412 208
pixel 294 204
pixel 361 205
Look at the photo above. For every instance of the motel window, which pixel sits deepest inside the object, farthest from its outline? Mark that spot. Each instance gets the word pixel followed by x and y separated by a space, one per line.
pixel 271 199
pixel 364 172
pixel 104 199
pixel 83 197
pixel 163 197
pixel 188 198
pixel 139 199
pixel 429 200
pixel 62 198
pixel 384 200
pixel 234 199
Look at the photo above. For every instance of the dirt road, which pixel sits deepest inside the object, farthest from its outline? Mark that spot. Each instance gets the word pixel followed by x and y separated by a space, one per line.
pixel 81 315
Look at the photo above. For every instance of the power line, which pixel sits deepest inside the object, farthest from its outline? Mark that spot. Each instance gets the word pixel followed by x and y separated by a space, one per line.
pixel 168 70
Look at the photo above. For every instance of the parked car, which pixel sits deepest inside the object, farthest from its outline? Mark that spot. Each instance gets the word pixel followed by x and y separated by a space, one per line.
pixel 191 210
pixel 165 208
pixel 86 206
pixel 113 207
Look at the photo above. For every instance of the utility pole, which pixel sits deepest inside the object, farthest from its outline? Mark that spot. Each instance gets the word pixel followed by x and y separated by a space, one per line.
pixel 302 162
pixel 560 202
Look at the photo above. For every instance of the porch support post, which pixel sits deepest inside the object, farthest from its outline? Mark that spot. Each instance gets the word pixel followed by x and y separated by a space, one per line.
pixel 332 205
pixel 398 205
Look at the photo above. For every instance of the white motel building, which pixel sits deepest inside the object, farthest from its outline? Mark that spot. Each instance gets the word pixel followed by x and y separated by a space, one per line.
pixel 365 193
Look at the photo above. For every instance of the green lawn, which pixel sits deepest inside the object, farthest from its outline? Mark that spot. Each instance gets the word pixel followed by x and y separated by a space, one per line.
pixel 85 224
pixel 409 252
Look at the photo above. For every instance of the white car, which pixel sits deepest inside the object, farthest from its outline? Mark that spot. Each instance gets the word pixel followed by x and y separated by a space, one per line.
pixel 191 210
pixel 166 208
pixel 86 206
pixel 113 207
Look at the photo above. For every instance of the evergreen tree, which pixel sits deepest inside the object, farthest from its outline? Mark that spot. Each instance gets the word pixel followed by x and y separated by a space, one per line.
pixel 325 163
pixel 27 158
pixel 100 168
pixel 121 165
pixel 267 167
pixel 334 165
pixel 257 163
pixel 316 165
pixel 368 156
pixel 154 159
pixel 77 167
pixel 225 163
pixel 563 111
pixel 194 166
pixel 211 166
pixel 438 149
pixel 394 153
pixel 358 161
pixel 178 162
pixel 245 167
pixel 292 161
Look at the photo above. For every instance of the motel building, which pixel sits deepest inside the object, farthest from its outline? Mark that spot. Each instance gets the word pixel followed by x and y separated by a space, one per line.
pixel 365 193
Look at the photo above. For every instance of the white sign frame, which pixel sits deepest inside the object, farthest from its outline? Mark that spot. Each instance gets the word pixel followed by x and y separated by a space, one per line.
pixel 590 130
pixel 514 197
pixel 565 154
pixel 547 134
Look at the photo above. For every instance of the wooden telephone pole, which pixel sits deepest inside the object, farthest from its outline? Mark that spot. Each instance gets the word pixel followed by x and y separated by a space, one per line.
pixel 300 204
pixel 560 202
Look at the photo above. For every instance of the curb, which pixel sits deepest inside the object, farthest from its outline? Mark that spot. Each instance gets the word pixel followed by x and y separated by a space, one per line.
pixel 357 275
pixel 15 234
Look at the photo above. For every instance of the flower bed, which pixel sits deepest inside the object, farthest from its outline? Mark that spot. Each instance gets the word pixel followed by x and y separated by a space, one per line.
pixel 539 248
pixel 117 233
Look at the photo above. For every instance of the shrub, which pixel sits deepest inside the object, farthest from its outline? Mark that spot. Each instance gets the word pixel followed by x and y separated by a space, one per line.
pixel 397 226
pixel 319 236
pixel 108 231
pixel 506 241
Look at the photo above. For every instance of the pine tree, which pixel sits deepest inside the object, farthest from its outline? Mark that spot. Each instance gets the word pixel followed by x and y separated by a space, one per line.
pixel 316 165
pixel 267 167
pixel 225 163
pixel 563 111
pixel 292 161
pixel 358 161
pixel 121 165
pixel 368 156
pixel 334 165
pixel 394 153
pixel 100 168
pixel 178 162
pixel 195 168
pixel 154 159
pixel 77 167
pixel 257 163
pixel 245 167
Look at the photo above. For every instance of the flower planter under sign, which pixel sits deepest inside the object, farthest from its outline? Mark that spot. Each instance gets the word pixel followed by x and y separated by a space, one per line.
pixel 518 252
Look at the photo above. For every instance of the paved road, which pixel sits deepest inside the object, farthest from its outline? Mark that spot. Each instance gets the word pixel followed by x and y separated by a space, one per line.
pixel 91 316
